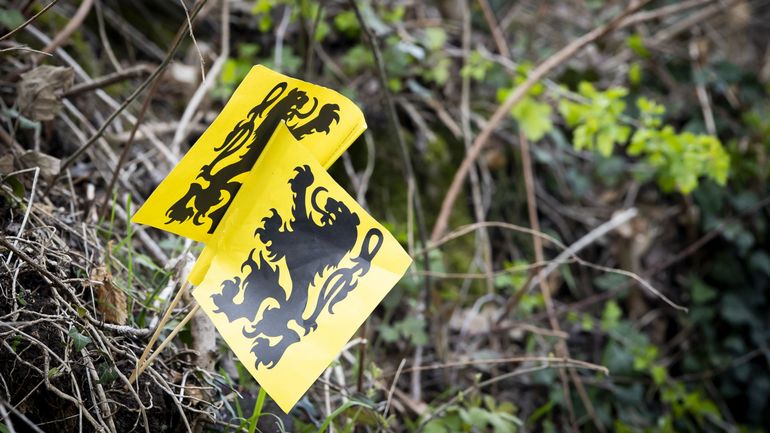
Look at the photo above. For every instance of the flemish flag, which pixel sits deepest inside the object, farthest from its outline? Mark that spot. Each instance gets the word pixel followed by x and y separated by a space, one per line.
pixel 294 269
pixel 195 196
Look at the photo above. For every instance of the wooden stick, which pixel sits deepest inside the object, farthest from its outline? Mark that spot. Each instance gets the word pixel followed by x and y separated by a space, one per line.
pixel 165 343
pixel 159 328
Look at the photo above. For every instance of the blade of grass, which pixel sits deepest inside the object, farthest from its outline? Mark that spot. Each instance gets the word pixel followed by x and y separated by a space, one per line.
pixel 257 410
pixel 343 408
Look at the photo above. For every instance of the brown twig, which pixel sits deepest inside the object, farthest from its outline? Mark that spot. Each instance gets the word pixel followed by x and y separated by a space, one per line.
pixel 106 80
pixel 416 204
pixel 704 99
pixel 670 32
pixel 361 358
pixel 29 21
pixel 515 96
pixel 545 287
pixel 467 135
pixel 497 33
pixel 146 104
pixel 663 11
pixel 72 25
pixel 182 128
pixel 512 360
pixel 72 158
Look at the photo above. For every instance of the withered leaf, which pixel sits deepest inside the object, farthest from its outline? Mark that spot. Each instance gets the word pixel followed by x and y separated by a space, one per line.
pixel 49 165
pixel 110 300
pixel 40 90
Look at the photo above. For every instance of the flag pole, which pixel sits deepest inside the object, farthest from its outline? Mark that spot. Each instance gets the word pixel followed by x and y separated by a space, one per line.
pixel 140 369
pixel 161 323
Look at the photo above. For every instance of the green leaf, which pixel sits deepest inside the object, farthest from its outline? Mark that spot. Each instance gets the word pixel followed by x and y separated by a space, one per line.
pixel 414 328
pixel 356 59
pixel 438 72
pixel 11 18
pixel 434 38
pixel 476 66
pixel 735 310
pixel 587 323
pixel 611 315
pixel 597 122
pixel 16 186
pixel 680 159
pixel 701 292
pixel 389 333
pixel 107 373
pixel 79 341
pixel 635 74
pixel 760 261
pixel 347 23
pixel 476 417
pixel 636 43
pixel 659 374
pixel 534 118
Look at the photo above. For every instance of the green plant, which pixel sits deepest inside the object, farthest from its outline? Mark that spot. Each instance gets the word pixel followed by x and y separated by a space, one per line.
pixel 532 115
pixel 597 121
pixel 478 413
pixel 679 159
pixel 476 67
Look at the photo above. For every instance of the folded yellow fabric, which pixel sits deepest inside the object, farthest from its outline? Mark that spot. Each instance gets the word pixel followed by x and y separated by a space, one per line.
pixel 195 196
pixel 294 269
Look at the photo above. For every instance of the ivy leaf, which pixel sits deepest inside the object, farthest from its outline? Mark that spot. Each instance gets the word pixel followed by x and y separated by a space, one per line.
pixel 476 417
pixel 701 292
pixel 413 327
pixel 735 310
pixel 388 333
pixel 79 340
pixel 11 18
pixel 107 373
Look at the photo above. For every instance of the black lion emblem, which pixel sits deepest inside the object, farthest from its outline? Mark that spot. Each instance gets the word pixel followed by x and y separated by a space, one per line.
pixel 310 249
pixel 214 187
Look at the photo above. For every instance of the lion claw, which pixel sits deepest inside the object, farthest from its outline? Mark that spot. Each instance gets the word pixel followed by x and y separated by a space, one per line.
pixel 309 325
pixel 179 212
pixel 302 180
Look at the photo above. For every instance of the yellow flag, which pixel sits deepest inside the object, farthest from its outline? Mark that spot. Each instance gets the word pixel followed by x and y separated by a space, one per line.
pixel 195 196
pixel 294 269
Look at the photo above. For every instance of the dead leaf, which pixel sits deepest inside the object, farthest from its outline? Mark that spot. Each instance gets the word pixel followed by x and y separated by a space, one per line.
pixel 110 300
pixel 49 166
pixel 472 322
pixel 40 91
pixel 6 164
